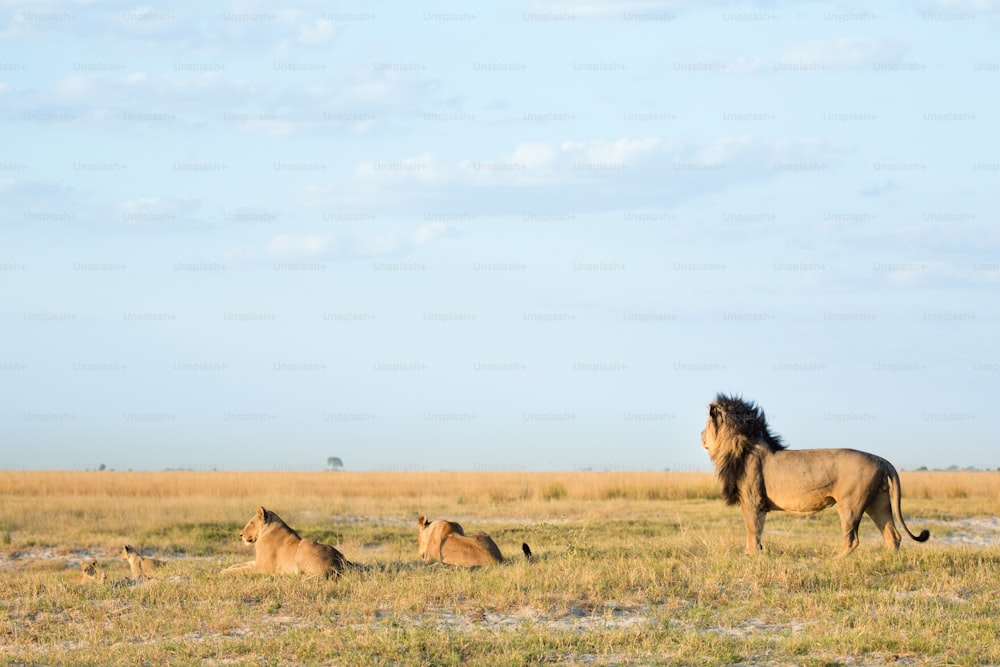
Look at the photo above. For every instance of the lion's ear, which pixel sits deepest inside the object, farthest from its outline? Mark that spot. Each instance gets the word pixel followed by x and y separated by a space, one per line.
pixel 422 521
pixel 261 512
pixel 713 412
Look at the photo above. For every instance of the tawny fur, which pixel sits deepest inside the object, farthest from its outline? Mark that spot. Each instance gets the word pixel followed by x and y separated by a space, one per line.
pixel 279 549
pixel 760 475
pixel 90 572
pixel 141 567
pixel 430 536
pixel 446 542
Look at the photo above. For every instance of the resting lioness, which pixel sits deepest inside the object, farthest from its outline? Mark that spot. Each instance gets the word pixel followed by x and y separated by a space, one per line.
pixel 141 567
pixel 430 536
pixel 279 549
pixel 444 541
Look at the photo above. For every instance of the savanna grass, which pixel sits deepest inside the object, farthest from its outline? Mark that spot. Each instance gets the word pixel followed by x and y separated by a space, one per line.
pixel 643 568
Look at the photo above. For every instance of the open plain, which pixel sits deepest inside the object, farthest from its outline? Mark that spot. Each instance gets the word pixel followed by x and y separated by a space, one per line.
pixel 635 568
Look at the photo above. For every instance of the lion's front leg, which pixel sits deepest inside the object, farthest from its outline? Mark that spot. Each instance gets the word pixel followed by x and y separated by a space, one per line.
pixel 241 567
pixel 754 520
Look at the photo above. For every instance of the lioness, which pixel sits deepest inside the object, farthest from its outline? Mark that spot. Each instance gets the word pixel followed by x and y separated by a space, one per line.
pixel 141 567
pixel 761 475
pixel 278 548
pixel 444 541
pixel 430 536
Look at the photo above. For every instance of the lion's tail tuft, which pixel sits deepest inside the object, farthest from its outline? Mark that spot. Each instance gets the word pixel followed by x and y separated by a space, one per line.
pixel 896 504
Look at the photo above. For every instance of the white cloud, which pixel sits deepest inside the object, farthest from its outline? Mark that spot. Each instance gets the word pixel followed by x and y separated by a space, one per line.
pixel 74 86
pixel 844 53
pixel 240 254
pixel 428 233
pixel 981 6
pixel 534 154
pixel 743 65
pixel 597 9
pixel 317 33
pixel 400 242
pixel 621 151
pixel 288 245
pixel 281 106
pixel 328 246
pixel 158 210
pixel 592 174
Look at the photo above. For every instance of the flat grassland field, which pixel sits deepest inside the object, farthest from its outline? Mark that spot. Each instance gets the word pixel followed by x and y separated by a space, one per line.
pixel 629 569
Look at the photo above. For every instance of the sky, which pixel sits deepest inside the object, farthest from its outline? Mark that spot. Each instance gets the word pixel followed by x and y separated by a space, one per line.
pixel 495 236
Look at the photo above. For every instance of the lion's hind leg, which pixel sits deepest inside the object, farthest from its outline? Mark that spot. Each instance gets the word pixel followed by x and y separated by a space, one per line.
pixel 850 519
pixel 880 511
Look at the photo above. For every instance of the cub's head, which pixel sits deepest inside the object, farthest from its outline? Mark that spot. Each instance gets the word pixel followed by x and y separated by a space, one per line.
pixel 90 571
pixel 128 551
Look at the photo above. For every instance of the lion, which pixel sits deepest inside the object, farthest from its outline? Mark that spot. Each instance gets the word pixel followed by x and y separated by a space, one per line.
pixel 279 549
pixel 90 572
pixel 141 567
pixel 430 536
pixel 446 542
pixel 759 474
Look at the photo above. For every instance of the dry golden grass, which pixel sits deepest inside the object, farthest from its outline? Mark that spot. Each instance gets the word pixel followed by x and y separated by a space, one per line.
pixel 632 568
pixel 475 486
pixel 479 487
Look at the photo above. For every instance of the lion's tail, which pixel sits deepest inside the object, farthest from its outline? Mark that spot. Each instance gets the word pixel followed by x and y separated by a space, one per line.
pixel 895 499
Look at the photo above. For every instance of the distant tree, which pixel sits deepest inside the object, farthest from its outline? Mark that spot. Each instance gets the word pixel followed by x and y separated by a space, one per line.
pixel 335 463
pixel 102 467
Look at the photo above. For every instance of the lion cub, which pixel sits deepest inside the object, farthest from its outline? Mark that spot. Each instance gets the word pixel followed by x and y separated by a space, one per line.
pixel 90 572
pixel 141 567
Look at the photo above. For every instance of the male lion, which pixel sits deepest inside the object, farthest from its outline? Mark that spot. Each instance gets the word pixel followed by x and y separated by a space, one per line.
pixel 141 567
pixel 758 473
pixel 445 541
pixel 278 548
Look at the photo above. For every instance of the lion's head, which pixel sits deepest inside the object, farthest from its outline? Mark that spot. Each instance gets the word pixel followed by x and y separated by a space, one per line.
pixel 91 571
pixel 430 535
pixel 733 429
pixel 258 522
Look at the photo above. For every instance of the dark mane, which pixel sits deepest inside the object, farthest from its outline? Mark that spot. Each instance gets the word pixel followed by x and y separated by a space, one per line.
pixel 748 420
pixel 744 425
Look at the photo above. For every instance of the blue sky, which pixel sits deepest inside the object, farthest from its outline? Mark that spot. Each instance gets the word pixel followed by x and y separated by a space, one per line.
pixel 533 236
